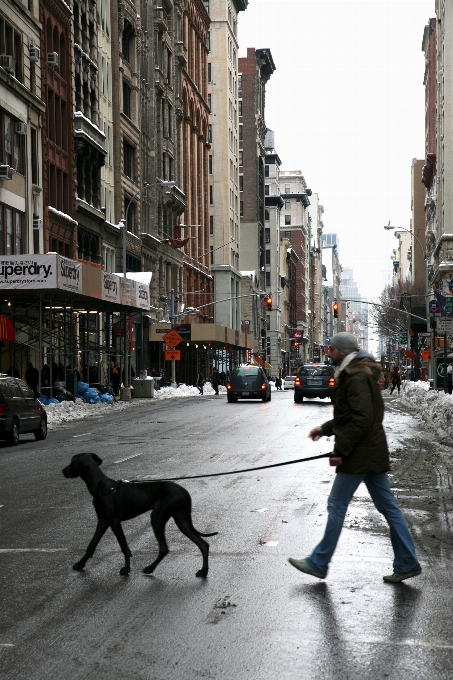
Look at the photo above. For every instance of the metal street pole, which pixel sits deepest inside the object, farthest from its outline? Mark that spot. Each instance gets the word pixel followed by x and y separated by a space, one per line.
pixel 126 392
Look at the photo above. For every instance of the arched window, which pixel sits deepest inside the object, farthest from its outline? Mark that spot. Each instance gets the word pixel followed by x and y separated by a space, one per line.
pixel 49 41
pixel 56 41
pixel 62 56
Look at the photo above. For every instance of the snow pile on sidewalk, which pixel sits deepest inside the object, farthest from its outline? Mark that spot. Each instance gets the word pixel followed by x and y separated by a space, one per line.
pixel 186 391
pixel 67 411
pixel 434 408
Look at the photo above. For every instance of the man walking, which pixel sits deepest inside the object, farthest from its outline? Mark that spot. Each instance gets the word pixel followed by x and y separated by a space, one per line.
pixel 360 455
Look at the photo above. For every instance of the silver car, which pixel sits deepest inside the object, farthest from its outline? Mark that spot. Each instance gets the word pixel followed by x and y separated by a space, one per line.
pixel 289 382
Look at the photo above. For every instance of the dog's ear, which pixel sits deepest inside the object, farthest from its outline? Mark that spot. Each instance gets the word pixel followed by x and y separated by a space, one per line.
pixel 96 458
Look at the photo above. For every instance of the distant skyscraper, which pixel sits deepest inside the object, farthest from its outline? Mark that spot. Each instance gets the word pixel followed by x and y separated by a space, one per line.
pixel 331 240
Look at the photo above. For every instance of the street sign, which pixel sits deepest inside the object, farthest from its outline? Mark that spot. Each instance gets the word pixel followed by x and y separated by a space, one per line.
pixel 172 338
pixel 449 304
pixel 445 325
pixel 433 306
pixel 403 338
pixel 172 355
pixel 450 286
pixel 297 335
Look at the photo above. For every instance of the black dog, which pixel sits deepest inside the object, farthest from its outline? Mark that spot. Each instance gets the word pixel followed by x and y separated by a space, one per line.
pixel 116 502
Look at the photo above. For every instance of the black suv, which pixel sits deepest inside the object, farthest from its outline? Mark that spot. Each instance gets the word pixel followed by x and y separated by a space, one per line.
pixel 248 382
pixel 20 411
pixel 314 380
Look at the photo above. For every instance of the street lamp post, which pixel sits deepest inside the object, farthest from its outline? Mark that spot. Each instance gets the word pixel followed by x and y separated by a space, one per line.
pixel 125 395
pixel 427 291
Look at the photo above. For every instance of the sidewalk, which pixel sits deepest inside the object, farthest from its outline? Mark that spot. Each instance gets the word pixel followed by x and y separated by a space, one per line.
pixel 433 408
pixel 58 415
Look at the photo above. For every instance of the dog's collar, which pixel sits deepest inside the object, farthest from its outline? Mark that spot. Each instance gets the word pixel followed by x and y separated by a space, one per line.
pixel 112 489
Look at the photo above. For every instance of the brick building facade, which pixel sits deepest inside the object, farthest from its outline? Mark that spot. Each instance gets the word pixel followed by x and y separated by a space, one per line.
pixel 197 276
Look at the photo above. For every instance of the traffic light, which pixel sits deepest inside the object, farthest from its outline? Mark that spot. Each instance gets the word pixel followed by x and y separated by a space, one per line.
pixel 296 346
pixel 269 303
pixel 335 310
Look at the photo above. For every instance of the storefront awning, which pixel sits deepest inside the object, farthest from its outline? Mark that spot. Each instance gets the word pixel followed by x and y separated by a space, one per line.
pixel 7 330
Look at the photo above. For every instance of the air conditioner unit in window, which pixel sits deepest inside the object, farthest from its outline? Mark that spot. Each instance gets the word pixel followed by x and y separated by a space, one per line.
pixel 7 62
pixel 6 172
pixel 20 128
pixel 37 223
pixel 34 53
pixel 52 59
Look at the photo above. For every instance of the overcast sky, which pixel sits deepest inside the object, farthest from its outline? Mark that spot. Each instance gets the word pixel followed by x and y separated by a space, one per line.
pixel 346 102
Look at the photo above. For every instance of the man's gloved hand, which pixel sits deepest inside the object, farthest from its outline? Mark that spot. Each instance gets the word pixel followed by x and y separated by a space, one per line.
pixel 335 460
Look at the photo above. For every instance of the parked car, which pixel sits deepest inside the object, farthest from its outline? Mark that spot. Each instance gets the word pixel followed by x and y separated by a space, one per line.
pixel 248 382
pixel 289 382
pixel 314 380
pixel 20 411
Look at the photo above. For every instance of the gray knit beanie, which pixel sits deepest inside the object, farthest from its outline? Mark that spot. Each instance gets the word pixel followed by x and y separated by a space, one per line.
pixel 345 342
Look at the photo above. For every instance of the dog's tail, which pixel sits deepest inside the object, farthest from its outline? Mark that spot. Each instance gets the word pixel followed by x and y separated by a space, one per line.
pixel 206 535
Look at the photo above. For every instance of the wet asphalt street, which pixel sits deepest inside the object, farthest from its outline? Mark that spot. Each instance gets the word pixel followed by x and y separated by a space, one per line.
pixel 254 617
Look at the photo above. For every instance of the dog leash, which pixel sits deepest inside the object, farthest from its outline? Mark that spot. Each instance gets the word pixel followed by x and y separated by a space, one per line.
pixel 234 472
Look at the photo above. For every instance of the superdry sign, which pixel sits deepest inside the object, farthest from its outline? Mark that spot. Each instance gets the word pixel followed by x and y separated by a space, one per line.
pixel 69 275
pixel 110 287
pixel 28 271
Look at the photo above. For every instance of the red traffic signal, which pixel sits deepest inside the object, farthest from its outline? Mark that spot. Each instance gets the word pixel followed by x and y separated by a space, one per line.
pixel 335 310
pixel 269 303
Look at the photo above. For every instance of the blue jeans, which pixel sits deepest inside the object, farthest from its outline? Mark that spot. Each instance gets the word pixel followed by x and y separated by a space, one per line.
pixel 343 489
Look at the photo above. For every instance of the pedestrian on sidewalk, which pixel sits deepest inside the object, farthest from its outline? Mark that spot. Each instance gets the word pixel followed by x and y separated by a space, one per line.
pixel 215 380
pixel 396 379
pixel 360 455
pixel 450 377
pixel 200 383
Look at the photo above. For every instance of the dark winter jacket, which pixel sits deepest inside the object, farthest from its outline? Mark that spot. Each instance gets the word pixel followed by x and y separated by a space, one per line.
pixel 396 377
pixel 358 413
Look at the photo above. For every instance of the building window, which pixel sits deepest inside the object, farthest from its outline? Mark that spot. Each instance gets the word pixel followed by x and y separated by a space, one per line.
pixel 266 171
pixel 210 102
pixel 267 189
pixel 34 156
pixel 267 233
pixel 128 160
pixel 241 208
pixel 268 279
pixel 211 252
pixel 208 41
pixel 126 99
pixel 133 263
pixel 241 133
pixel 206 5
pixel 11 231
pixel 287 219
pixel 268 256
pixel 287 188
pixel 287 205
pixel 241 182
pixel 240 107
pixel 12 144
pixel 11 45
pixel 210 134
pixel 211 194
pixel 209 72
pixel 129 208
pixel 240 81
pixel 268 322
pixel 127 38
pixel 288 235
pixel 210 165
pixel 241 158
pixel 211 225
